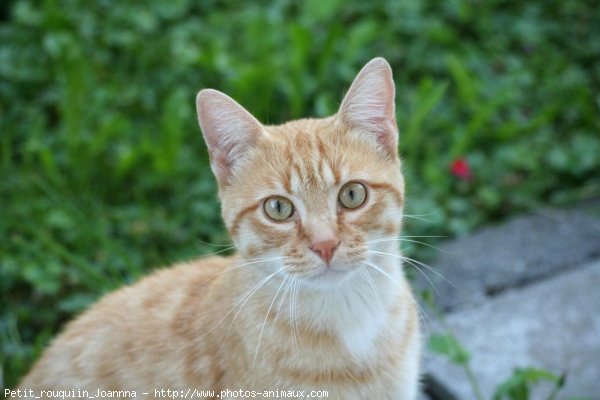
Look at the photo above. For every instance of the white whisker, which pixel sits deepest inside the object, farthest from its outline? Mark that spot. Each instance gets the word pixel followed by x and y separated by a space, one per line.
pixel 430 269
pixel 243 296
pixel 229 246
pixel 406 240
pixel 365 274
pixel 251 262
pixel 403 259
pixel 296 294
pixel 216 252
pixel 425 244
pixel 419 308
pixel 420 216
pixel 375 267
pixel 266 317
pixel 412 262
pixel 293 315
pixel 247 297
pixel 422 314
pixel 392 238
pixel 424 275
pixel 285 292
pixel 417 218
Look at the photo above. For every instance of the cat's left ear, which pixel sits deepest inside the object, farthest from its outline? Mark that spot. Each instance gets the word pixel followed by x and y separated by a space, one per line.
pixel 369 106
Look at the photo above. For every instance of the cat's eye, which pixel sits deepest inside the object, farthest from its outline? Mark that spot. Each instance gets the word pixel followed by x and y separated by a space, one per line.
pixel 278 208
pixel 352 195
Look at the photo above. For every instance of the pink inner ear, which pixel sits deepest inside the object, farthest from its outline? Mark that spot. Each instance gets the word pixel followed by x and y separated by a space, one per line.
pixel 221 165
pixel 228 130
pixel 388 136
pixel 369 105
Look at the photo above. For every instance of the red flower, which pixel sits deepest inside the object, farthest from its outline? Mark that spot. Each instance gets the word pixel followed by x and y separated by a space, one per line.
pixel 460 168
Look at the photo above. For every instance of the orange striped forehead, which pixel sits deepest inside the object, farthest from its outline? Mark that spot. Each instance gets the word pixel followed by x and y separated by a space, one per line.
pixel 310 156
pixel 307 161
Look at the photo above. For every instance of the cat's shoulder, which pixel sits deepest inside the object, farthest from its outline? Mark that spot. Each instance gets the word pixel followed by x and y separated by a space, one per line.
pixel 203 266
pixel 197 272
pixel 165 284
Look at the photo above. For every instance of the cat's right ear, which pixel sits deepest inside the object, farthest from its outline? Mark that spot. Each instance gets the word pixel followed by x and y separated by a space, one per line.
pixel 228 131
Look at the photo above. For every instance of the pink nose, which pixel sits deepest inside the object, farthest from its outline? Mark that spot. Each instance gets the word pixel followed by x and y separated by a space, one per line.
pixel 325 249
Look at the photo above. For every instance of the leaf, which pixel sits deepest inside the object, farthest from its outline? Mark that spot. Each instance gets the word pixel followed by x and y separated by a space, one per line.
pixel 518 385
pixel 463 79
pixel 360 35
pixel 448 346
pixel 322 10
pixel 427 98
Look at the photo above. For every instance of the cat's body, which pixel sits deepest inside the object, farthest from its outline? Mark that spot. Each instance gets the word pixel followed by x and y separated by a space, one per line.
pixel 168 331
pixel 316 301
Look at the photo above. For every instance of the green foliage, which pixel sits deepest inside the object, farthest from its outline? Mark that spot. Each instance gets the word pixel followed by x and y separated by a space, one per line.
pixel 103 173
pixel 518 386
pixel 448 346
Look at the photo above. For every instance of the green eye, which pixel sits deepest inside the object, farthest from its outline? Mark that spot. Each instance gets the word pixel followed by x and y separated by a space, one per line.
pixel 278 208
pixel 352 195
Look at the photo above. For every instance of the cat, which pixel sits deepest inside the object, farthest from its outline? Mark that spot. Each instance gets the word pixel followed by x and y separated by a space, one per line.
pixel 315 300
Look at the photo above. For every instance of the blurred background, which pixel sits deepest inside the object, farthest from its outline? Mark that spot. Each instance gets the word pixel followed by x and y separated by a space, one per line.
pixel 104 174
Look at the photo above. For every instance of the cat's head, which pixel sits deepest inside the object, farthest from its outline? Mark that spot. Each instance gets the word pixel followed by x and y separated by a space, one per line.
pixel 313 196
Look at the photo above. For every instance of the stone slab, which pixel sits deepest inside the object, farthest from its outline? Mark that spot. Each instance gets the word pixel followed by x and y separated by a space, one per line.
pixel 515 253
pixel 553 324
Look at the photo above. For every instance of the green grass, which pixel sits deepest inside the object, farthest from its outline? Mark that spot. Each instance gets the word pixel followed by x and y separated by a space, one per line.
pixel 103 173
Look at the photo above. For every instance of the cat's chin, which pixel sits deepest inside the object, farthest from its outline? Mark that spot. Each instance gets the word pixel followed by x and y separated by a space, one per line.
pixel 329 276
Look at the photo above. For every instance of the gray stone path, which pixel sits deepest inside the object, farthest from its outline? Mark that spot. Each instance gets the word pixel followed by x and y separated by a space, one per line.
pixel 553 324
pixel 526 293
pixel 520 251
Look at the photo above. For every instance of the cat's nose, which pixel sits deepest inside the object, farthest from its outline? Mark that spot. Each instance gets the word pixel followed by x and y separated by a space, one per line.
pixel 325 248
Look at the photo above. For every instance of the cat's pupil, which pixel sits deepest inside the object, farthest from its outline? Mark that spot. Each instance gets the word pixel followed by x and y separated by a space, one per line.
pixel 278 206
pixel 351 194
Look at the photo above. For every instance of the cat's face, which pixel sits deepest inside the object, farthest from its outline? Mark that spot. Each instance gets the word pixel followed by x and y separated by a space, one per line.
pixel 315 196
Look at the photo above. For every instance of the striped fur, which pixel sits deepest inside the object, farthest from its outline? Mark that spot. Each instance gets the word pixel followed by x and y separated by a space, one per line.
pixel 350 328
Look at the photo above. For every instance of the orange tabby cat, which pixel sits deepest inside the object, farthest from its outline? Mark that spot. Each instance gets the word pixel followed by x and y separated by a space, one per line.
pixel 316 299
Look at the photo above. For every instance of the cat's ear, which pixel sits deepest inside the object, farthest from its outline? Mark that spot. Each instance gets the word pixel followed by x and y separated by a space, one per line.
pixel 369 106
pixel 228 130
